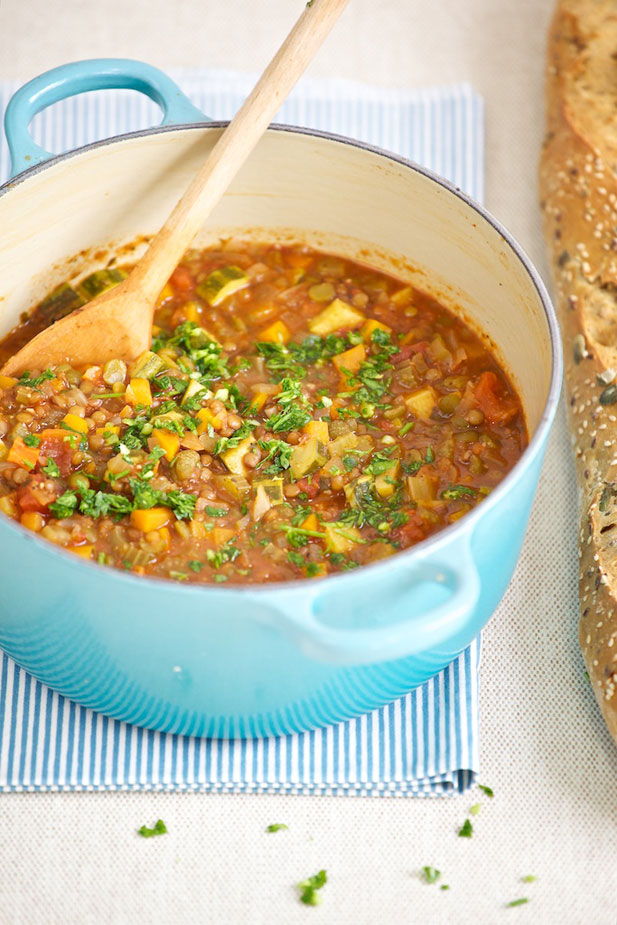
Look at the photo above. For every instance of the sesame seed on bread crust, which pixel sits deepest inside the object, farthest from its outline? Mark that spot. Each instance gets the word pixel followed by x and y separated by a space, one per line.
pixel 578 190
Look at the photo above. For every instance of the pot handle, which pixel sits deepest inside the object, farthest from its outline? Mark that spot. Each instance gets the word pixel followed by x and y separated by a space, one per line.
pixel 80 77
pixel 420 632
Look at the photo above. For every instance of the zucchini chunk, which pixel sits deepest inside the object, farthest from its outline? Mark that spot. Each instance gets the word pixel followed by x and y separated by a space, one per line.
pixel 233 458
pixel 268 493
pixel 220 284
pixel 307 457
pixel 100 281
pixel 61 302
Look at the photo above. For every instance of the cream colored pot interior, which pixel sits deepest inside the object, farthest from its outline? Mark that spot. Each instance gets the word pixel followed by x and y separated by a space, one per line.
pixel 332 195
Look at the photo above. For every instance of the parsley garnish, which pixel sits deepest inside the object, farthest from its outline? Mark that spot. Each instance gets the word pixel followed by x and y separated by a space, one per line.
pixel 487 790
pixel 216 511
pixel 454 492
pixel 277 827
pixel 25 379
pixel 230 443
pixel 431 874
pixel 296 558
pixel 466 830
pixel 196 565
pixel 410 468
pixel 380 463
pixel 64 505
pixel 159 828
pixel 31 440
pixel 530 878
pixel 51 469
pixel 308 888
pixel 226 553
pixel 517 902
pixel 475 809
pixel 279 452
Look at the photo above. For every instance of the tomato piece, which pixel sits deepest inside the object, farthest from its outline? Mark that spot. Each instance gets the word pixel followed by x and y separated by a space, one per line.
pixel 311 488
pixel 411 532
pixel 496 408
pixel 37 494
pixel 60 451
pixel 182 279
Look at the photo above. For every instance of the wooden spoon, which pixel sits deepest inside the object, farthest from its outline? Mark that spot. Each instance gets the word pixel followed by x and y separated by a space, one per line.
pixel 118 323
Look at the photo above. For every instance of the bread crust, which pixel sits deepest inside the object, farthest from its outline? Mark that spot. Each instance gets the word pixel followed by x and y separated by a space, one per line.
pixel 578 188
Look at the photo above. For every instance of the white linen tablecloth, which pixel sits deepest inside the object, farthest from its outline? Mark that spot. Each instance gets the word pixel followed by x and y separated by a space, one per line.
pixel 74 858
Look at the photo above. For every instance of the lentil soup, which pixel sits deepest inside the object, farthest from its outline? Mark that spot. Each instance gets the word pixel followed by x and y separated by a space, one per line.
pixel 298 414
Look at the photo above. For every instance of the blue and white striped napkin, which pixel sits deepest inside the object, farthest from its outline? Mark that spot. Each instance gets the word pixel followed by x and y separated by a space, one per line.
pixel 423 744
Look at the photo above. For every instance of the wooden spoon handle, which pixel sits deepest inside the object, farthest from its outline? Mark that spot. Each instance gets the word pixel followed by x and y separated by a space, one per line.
pixel 235 145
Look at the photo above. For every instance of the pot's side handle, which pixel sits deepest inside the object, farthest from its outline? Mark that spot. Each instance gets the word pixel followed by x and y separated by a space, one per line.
pixel 416 633
pixel 80 77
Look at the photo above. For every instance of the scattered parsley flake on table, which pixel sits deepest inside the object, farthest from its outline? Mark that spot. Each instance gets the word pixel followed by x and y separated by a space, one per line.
pixel 530 878
pixel 475 809
pixel 431 874
pixel 159 829
pixel 517 902
pixel 309 895
pixel 466 829
pixel 487 790
pixel 276 827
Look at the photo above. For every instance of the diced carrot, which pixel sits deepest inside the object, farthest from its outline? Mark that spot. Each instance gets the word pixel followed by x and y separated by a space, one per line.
pixel 7 382
pixel 276 333
pixel 373 325
pixel 351 359
pixel 33 520
pixel 310 522
pixel 138 392
pixel 53 433
pixel 207 417
pixel 84 551
pixel 74 422
pixel 191 311
pixel 151 519
pixel 22 455
pixel 222 535
pixel 496 408
pixel 168 441
pixel 317 429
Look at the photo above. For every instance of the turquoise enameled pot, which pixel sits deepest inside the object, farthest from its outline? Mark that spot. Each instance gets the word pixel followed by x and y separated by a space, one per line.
pixel 233 661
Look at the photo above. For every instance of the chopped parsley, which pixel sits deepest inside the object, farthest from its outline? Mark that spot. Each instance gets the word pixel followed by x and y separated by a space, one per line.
pixel 51 469
pixel 195 565
pixel 431 874
pixel 278 453
pixel 230 443
pixel 466 830
pixel 487 790
pixel 159 828
pixel 25 379
pixel 277 827
pixel 530 878
pixel 517 902
pixel 309 888
pixel 454 492
pixel 296 558
pixel 410 468
pixel 380 463
pixel 216 511
pixel 227 553
pixel 64 505
pixel 293 413
pixel 32 440
pixel 475 809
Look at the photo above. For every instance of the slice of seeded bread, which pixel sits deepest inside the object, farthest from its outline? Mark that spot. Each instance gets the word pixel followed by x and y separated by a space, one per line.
pixel 578 188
